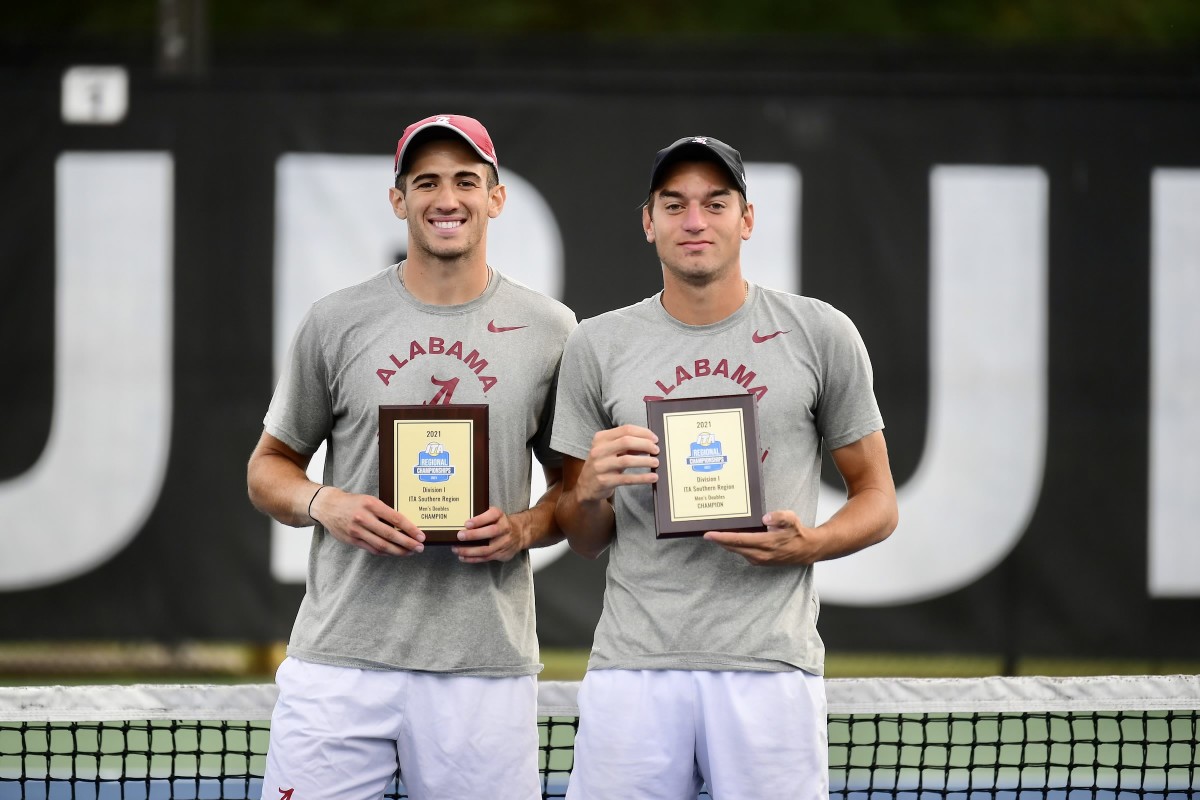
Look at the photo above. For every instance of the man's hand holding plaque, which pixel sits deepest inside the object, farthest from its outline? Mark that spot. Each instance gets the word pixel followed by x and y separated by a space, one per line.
pixel 493 536
pixel 786 541
pixel 365 522
pixel 709 476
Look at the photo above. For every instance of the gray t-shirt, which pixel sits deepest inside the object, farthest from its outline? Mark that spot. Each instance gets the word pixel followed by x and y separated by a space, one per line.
pixel 688 603
pixel 375 344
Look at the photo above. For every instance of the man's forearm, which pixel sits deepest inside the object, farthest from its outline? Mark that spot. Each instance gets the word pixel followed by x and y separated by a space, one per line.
pixel 867 518
pixel 541 526
pixel 280 488
pixel 589 525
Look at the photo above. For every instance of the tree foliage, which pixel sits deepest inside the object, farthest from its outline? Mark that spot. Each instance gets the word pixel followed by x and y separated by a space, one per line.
pixel 1169 24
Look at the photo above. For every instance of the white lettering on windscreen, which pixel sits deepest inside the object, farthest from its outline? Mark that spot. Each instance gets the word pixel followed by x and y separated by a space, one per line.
pixel 966 506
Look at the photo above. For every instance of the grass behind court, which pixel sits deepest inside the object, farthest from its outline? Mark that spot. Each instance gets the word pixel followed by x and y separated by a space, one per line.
pixel 47 663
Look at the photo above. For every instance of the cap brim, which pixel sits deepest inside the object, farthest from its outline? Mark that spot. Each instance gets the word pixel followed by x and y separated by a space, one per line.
pixel 417 134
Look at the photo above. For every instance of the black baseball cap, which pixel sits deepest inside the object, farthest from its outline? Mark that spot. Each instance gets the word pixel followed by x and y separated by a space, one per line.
pixel 699 148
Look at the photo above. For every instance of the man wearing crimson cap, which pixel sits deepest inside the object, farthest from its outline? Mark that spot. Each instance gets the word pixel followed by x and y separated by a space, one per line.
pixel 406 653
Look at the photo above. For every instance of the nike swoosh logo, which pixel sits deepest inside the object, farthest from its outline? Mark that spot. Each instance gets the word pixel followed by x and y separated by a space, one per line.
pixel 759 338
pixel 494 328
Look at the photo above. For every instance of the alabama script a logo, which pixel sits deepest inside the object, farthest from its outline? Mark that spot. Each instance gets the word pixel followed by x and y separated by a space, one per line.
pixel 445 392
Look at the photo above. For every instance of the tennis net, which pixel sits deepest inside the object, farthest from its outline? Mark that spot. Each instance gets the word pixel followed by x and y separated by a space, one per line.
pixel 916 739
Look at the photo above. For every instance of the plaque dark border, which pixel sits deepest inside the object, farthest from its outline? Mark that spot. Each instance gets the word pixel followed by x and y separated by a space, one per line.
pixel 665 528
pixel 477 413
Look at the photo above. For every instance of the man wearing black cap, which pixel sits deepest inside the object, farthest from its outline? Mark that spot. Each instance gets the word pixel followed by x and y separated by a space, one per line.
pixel 706 661
pixel 403 652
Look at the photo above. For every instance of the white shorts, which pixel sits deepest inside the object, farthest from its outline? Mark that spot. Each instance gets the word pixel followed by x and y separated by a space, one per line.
pixel 339 733
pixel 660 734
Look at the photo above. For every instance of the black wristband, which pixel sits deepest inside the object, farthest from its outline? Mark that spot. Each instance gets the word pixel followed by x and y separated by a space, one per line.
pixel 310 502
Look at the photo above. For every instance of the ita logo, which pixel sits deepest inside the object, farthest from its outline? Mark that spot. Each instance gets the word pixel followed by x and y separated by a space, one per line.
pixel 433 464
pixel 706 454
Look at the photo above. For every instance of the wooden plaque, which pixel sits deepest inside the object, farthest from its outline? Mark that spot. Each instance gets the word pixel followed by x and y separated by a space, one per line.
pixel 433 466
pixel 709 472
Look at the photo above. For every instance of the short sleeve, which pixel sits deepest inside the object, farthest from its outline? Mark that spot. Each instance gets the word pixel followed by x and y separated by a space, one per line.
pixel 300 414
pixel 847 409
pixel 579 411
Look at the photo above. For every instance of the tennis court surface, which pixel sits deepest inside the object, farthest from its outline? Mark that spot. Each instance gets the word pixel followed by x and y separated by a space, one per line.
pixel 916 739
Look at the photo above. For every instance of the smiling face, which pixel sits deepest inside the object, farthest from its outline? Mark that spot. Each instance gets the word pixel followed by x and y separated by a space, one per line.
pixel 447 201
pixel 697 220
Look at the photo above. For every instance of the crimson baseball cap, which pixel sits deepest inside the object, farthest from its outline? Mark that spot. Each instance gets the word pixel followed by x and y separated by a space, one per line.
pixel 699 148
pixel 471 130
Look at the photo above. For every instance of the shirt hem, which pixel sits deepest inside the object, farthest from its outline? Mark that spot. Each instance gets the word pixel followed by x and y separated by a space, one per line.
pixel 477 671
pixel 707 663
pixel 854 434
